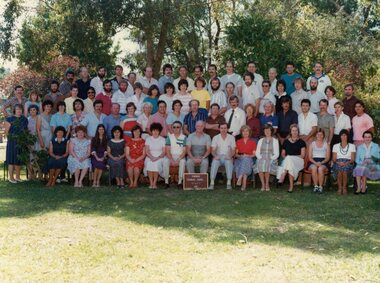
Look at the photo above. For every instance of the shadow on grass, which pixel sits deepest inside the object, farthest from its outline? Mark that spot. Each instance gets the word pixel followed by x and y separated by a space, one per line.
pixel 325 224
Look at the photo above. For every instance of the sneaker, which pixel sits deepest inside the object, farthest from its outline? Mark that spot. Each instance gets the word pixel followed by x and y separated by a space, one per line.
pixel 58 181
pixel 64 180
pixel 229 187
pixel 211 187
pixel 316 189
pixel 320 190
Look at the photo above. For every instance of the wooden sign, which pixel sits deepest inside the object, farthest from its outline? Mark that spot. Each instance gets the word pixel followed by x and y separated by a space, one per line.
pixel 195 181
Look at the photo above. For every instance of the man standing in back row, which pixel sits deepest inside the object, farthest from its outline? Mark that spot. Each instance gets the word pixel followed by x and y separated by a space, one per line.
pixel 323 79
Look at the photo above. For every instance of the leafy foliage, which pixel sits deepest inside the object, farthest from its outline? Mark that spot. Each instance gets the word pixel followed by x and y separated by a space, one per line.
pixel 29 79
pixel 11 12
pixel 64 28
pixel 24 142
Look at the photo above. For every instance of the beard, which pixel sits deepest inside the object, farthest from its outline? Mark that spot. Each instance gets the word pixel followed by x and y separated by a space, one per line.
pixel 313 88
pixel 101 75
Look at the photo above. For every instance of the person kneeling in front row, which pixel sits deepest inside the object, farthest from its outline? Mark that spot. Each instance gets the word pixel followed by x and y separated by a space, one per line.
pixel 223 150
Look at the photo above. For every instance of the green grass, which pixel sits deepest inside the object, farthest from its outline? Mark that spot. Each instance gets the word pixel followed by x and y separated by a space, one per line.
pixel 66 234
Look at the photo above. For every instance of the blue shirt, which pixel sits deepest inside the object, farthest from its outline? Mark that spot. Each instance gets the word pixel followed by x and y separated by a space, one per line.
pixel 190 121
pixel 61 120
pixel 109 122
pixel 271 119
pixel 163 81
pixel 172 118
pixel 92 122
pixel 152 101
pixel 289 81
pixel 285 120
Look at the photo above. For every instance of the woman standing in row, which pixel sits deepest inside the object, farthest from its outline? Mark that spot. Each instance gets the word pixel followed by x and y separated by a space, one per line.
pixel 116 156
pixel 14 125
pixel 98 154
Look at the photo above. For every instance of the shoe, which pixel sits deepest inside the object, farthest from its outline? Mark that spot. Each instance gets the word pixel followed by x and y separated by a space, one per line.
pixel 357 192
pixel 64 180
pixel 363 193
pixel 179 186
pixel 19 180
pixel 229 187
pixel 12 181
pixel 58 181
pixel 262 189
pixel 167 186
pixel 290 191
pixel 316 189
pixel 211 187
pixel 320 190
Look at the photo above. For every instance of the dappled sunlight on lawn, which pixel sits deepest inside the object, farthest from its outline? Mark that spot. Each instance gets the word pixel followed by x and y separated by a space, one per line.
pixel 325 224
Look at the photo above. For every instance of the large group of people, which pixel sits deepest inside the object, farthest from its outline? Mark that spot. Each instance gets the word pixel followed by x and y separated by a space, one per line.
pixel 130 125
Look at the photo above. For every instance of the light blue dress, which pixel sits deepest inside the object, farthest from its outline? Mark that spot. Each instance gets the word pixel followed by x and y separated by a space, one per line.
pixel 80 149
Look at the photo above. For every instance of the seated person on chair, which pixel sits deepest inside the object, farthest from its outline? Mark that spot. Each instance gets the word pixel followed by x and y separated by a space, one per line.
pixel 198 146
pixel 175 152
pixel 223 150
pixel 319 156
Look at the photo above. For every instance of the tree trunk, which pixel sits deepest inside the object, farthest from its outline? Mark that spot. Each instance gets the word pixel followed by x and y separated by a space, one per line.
pixel 161 43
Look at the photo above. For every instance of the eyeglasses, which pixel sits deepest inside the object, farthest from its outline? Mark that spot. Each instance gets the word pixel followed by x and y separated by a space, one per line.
pixel 176 127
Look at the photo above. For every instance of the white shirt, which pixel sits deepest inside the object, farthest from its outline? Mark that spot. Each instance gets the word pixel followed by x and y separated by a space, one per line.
pixel 267 97
pixel 219 97
pixel 344 153
pixel 323 82
pixel 88 105
pixel 343 122
pixel 273 85
pixel 250 94
pixel 148 83
pixel 156 145
pixel 276 149
pixel 296 100
pixel 238 120
pixel 138 102
pixel 97 84
pixel 233 78
pixel 307 123
pixel 122 99
pixel 314 99
pixel 258 81
pixel 223 146
pixel 176 149
pixel 189 80
pixel 185 99
pixel 169 102
pixel 69 104
pixel 143 121
pixel 331 108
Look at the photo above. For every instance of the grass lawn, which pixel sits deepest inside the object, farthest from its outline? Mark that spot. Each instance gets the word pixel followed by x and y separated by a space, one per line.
pixel 82 235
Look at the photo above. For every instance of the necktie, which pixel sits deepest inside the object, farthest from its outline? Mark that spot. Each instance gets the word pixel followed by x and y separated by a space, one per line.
pixel 230 119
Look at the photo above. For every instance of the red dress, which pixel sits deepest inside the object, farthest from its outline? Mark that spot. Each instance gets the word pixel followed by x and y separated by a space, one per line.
pixel 136 149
